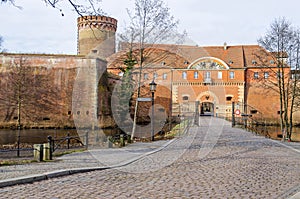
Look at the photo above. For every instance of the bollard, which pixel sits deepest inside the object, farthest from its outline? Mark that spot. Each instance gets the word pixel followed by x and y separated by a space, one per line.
pixel 122 142
pixel 38 152
pixel 86 140
pixel 68 139
pixel 51 147
pixel 109 143
pixel 128 139
pixel 46 151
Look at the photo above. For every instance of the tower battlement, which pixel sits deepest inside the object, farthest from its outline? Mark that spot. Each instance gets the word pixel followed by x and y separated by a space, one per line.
pixel 96 35
pixel 101 22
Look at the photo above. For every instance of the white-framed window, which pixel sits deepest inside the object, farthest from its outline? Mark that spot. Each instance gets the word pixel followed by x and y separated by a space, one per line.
pixel 146 76
pixel 231 75
pixel 155 75
pixel 266 75
pixel 220 75
pixel 184 75
pixel 279 75
pixel 165 76
pixel 255 75
pixel 207 75
pixel 196 75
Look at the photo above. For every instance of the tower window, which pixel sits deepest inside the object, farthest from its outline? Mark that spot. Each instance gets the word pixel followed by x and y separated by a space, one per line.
pixel 255 75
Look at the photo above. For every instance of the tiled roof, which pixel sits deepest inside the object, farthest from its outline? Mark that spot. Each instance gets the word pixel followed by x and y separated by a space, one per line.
pixel 240 56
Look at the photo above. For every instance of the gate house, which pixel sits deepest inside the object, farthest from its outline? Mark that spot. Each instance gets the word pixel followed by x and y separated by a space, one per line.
pixel 208 79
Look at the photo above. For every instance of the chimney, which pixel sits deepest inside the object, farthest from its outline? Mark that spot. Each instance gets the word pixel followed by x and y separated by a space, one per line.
pixel 225 46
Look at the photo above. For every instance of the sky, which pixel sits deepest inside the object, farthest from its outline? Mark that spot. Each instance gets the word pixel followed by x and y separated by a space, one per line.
pixel 37 28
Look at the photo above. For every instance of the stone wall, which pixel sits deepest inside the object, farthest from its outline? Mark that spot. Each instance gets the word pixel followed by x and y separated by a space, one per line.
pixel 76 94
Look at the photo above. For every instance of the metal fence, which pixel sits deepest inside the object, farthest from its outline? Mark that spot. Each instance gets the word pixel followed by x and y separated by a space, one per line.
pixel 251 119
pixel 25 149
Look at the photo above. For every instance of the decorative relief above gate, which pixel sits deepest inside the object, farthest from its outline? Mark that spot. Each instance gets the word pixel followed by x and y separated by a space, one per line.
pixel 208 63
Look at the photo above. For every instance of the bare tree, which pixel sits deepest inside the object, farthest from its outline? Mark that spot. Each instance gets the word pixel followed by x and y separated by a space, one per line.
pixel 86 7
pixel 282 41
pixel 26 93
pixel 1 41
pixel 295 78
pixel 150 23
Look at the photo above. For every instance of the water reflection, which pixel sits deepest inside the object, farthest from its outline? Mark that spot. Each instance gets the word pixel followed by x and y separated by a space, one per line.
pixel 36 136
pixel 275 133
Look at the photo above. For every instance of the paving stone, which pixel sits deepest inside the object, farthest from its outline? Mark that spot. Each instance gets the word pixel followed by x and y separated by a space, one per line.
pixel 230 164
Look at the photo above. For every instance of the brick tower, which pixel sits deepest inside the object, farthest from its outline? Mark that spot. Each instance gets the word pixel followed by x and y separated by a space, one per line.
pixel 96 36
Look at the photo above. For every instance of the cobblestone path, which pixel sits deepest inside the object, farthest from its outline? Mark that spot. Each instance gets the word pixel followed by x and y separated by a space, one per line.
pixel 210 161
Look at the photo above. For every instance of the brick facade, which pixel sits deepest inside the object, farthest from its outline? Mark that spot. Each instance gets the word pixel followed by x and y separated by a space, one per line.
pixel 212 76
pixel 189 78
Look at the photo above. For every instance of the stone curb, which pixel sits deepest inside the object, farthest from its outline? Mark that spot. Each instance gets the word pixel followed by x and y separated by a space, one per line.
pixel 296 196
pixel 60 173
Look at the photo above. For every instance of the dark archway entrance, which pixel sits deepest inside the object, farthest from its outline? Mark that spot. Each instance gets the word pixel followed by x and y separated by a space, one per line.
pixel 207 109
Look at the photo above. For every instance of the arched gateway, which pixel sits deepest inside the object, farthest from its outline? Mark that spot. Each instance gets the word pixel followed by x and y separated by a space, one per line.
pixel 207 103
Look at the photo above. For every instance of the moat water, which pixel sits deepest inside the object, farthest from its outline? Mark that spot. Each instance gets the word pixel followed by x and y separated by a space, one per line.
pixel 36 136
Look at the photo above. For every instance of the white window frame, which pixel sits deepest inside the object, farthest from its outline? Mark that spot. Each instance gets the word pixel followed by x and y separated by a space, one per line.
pixel 196 75
pixel 231 75
pixel 165 76
pixel 266 75
pixel 146 76
pixel 220 75
pixel 184 75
